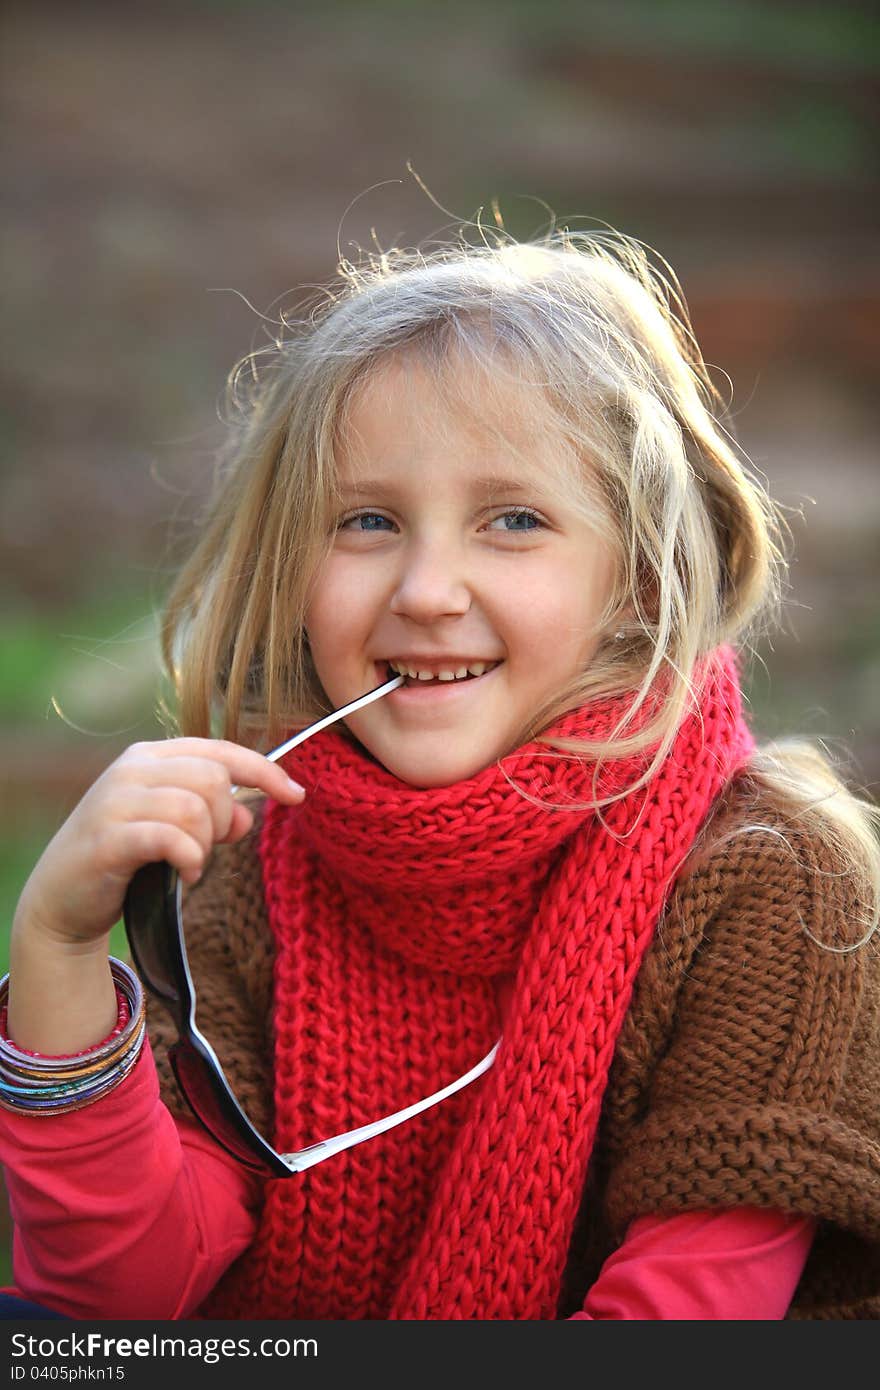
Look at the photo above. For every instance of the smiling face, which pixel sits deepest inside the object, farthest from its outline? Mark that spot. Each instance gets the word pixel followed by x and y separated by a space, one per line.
pixel 451 551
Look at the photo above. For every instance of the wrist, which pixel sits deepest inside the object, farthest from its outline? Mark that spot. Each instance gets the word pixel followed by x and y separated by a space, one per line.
pixel 61 992
pixel 36 931
pixel 36 1080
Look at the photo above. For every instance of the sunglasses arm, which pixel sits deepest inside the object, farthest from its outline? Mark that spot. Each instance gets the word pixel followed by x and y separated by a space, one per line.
pixel 316 1153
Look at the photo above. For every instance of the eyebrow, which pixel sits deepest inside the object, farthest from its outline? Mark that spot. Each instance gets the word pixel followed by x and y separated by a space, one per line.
pixel 485 484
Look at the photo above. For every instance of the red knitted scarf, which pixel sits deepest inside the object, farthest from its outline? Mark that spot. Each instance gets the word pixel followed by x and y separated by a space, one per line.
pixel 413 928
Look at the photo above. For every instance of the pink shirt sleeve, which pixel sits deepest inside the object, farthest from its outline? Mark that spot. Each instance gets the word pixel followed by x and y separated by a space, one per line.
pixel 702 1266
pixel 120 1210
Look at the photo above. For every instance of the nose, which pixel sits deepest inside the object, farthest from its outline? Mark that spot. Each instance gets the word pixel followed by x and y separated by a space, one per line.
pixel 431 583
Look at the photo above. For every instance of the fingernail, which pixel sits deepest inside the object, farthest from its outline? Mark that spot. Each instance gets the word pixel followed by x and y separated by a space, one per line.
pixel 295 785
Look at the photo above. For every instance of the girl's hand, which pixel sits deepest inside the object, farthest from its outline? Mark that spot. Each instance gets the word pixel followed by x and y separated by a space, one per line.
pixel 171 799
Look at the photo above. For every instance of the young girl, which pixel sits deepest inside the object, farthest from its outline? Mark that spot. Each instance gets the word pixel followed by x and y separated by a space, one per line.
pixel 501 472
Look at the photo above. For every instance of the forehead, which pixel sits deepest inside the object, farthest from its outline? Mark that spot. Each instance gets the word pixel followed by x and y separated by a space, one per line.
pixel 406 408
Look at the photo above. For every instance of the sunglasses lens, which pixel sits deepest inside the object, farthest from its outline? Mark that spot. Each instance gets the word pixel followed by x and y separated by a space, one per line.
pixel 150 915
pixel 214 1104
pixel 152 922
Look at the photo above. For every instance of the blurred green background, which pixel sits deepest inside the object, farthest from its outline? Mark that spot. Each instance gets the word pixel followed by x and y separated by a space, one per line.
pixel 174 174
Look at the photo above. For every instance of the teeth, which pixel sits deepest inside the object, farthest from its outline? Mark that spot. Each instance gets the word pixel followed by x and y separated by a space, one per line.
pixel 445 674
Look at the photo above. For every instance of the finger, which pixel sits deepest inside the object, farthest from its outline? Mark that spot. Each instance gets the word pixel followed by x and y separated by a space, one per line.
pixel 176 806
pixel 246 767
pixel 242 822
pixel 204 777
pixel 148 842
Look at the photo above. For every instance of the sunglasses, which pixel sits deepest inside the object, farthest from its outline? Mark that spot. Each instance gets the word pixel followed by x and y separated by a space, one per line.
pixel 153 917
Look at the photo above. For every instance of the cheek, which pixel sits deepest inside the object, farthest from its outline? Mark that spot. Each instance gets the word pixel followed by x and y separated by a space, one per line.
pixel 558 625
pixel 338 609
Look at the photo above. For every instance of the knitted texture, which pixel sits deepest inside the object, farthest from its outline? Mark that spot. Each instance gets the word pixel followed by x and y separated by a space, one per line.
pixel 748 1071
pixel 395 913
pixel 734 1005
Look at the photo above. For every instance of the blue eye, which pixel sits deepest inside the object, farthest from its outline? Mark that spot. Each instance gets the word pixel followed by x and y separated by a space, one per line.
pixel 364 516
pixel 520 514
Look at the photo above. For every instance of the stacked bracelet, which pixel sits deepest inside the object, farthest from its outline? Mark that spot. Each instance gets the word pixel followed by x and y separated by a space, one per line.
pixel 40 1085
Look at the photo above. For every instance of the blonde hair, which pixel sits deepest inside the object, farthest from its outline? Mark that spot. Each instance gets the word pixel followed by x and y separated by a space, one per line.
pixel 598 343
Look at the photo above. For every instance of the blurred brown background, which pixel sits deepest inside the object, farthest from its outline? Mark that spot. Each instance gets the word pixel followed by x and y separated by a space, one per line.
pixel 174 172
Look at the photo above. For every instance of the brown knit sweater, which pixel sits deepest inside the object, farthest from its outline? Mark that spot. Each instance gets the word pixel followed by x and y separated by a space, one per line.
pixel 747 1071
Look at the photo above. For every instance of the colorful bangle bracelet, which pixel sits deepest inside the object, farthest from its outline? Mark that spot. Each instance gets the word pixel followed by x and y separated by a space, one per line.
pixel 123 1014
pixel 36 1084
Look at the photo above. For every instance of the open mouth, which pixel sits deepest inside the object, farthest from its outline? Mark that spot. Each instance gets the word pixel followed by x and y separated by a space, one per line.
pixel 448 676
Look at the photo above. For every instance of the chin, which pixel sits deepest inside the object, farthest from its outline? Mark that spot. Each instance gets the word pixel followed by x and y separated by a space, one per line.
pixel 427 777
